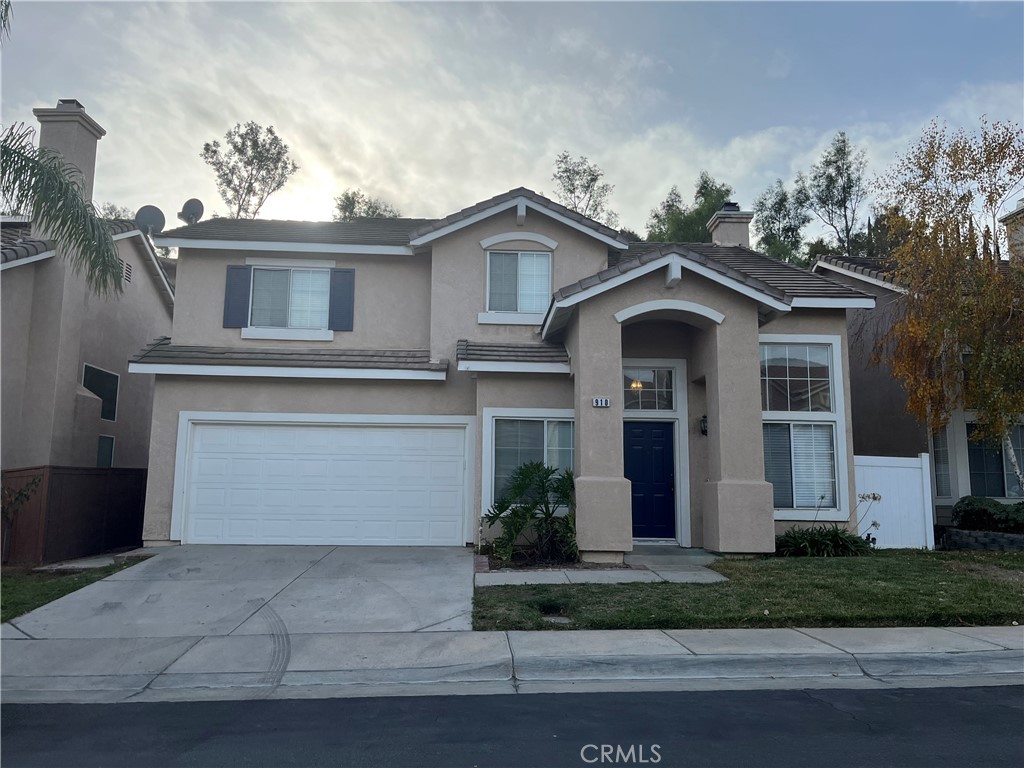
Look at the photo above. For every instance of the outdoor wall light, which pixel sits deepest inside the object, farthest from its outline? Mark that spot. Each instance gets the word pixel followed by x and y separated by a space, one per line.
pixel 704 424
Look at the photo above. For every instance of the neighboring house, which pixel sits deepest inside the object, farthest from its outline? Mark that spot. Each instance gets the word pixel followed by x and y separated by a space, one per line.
pixel 67 400
pixel 376 381
pixel 881 424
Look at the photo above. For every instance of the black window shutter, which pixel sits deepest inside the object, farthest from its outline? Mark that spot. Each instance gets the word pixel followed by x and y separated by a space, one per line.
pixel 343 285
pixel 236 297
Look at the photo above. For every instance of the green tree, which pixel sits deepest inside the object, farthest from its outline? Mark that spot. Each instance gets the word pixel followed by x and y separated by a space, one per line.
pixel 674 222
pixel 780 216
pixel 836 189
pixel 354 204
pixel 252 166
pixel 579 188
pixel 960 338
pixel 630 235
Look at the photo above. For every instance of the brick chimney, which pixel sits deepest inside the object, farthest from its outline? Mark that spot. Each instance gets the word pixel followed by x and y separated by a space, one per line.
pixel 69 130
pixel 1014 223
pixel 730 225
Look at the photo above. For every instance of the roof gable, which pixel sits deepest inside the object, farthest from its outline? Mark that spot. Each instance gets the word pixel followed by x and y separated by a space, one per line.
pixel 521 199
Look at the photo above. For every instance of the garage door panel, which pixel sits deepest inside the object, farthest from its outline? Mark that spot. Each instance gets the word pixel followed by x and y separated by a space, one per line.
pixel 267 483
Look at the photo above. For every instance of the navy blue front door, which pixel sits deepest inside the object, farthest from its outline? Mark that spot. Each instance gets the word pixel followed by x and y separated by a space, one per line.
pixel 649 464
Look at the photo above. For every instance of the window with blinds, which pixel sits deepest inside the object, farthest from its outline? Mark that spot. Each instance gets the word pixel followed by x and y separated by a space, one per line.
pixel 518 441
pixel 800 425
pixel 518 281
pixel 940 459
pixel 290 298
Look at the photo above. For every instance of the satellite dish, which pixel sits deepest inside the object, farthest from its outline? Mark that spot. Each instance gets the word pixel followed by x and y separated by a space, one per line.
pixel 191 211
pixel 150 219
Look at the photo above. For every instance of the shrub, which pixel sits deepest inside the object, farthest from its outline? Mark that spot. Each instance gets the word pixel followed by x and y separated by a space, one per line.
pixel 979 513
pixel 531 525
pixel 820 541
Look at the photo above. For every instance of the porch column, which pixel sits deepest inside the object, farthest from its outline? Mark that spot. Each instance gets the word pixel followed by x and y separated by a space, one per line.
pixel 738 503
pixel 604 527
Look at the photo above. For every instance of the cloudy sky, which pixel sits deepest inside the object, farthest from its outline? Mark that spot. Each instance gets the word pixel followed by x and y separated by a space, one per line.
pixel 437 106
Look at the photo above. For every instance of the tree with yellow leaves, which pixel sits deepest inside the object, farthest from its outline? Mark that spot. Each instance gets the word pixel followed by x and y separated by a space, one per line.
pixel 959 339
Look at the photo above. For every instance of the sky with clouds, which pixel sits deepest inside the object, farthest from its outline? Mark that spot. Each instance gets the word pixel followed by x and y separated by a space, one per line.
pixel 437 106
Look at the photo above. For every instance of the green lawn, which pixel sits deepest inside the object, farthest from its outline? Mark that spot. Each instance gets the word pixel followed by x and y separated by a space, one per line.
pixel 23 590
pixel 888 588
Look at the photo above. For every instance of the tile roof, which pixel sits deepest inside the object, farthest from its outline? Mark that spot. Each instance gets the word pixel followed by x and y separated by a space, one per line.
pixel 363 231
pixel 517 353
pixel 161 351
pixel 881 269
pixel 16 242
pixel 775 278
pixel 529 194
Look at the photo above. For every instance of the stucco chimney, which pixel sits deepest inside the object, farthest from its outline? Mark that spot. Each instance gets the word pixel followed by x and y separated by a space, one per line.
pixel 1014 223
pixel 730 225
pixel 69 130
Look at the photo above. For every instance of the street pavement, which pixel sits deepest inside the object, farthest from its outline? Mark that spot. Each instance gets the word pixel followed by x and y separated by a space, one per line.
pixel 896 728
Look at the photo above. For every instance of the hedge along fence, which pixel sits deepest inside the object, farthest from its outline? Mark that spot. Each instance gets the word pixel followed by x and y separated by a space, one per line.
pixel 986 525
pixel 984 541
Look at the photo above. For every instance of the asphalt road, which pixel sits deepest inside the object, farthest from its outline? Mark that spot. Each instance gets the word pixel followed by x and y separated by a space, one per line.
pixel 932 727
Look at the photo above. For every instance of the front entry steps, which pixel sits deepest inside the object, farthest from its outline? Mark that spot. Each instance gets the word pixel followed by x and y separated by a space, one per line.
pixel 661 557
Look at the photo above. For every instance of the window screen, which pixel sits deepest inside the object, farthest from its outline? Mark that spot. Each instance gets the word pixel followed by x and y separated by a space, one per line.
pixel 518 441
pixel 105 451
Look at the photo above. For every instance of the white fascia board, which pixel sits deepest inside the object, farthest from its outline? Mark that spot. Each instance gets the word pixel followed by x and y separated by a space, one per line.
pixel 516 202
pixel 257 245
pixel 154 260
pixel 857 276
pixel 821 302
pixel 27 260
pixel 493 366
pixel 281 372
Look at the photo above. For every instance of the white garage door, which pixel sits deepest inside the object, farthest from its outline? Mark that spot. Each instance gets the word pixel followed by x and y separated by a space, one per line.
pixel 325 484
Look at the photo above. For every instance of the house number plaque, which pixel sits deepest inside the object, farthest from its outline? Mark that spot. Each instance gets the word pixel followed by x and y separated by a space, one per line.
pixel 602 402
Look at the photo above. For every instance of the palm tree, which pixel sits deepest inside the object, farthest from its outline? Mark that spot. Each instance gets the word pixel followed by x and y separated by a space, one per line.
pixel 36 181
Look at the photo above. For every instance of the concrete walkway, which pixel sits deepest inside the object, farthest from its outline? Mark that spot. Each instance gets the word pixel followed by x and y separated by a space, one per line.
pixel 306 665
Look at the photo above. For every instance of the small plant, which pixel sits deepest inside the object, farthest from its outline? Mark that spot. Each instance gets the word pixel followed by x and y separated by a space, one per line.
pixel 533 525
pixel 821 541
pixel 874 525
pixel 11 501
pixel 978 513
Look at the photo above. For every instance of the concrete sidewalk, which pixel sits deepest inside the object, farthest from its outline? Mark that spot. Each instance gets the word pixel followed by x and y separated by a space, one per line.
pixel 280 665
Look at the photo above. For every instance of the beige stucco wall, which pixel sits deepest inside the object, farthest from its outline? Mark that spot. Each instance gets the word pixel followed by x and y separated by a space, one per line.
pixel 52 325
pixel 458 289
pixel 392 300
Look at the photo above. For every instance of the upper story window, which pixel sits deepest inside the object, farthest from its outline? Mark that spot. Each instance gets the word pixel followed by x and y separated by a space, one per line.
pixel 647 389
pixel 518 281
pixel 290 298
pixel 104 385
pixel 801 426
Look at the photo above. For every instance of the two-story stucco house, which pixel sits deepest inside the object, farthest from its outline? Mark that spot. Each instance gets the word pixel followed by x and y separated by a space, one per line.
pixel 67 398
pixel 375 382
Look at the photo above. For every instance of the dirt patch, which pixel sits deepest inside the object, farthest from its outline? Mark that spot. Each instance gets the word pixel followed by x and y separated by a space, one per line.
pixel 531 565
pixel 990 572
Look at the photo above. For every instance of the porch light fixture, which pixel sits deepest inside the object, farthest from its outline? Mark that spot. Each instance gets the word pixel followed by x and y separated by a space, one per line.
pixel 704 424
pixel 636 385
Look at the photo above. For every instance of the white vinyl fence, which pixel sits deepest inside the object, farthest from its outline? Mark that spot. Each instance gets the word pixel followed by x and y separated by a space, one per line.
pixel 904 514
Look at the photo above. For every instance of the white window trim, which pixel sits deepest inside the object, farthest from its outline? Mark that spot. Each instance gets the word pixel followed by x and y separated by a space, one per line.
pixel 512 237
pixel 960 469
pixel 187 420
pixel 113 448
pixel 504 317
pixel 489 416
pixel 841 512
pixel 493 366
pixel 292 334
pixel 679 415
pixel 117 396
pixel 296 334
pixel 509 318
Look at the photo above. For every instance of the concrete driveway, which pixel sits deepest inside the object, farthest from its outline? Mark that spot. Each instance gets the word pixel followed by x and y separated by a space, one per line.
pixel 203 590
